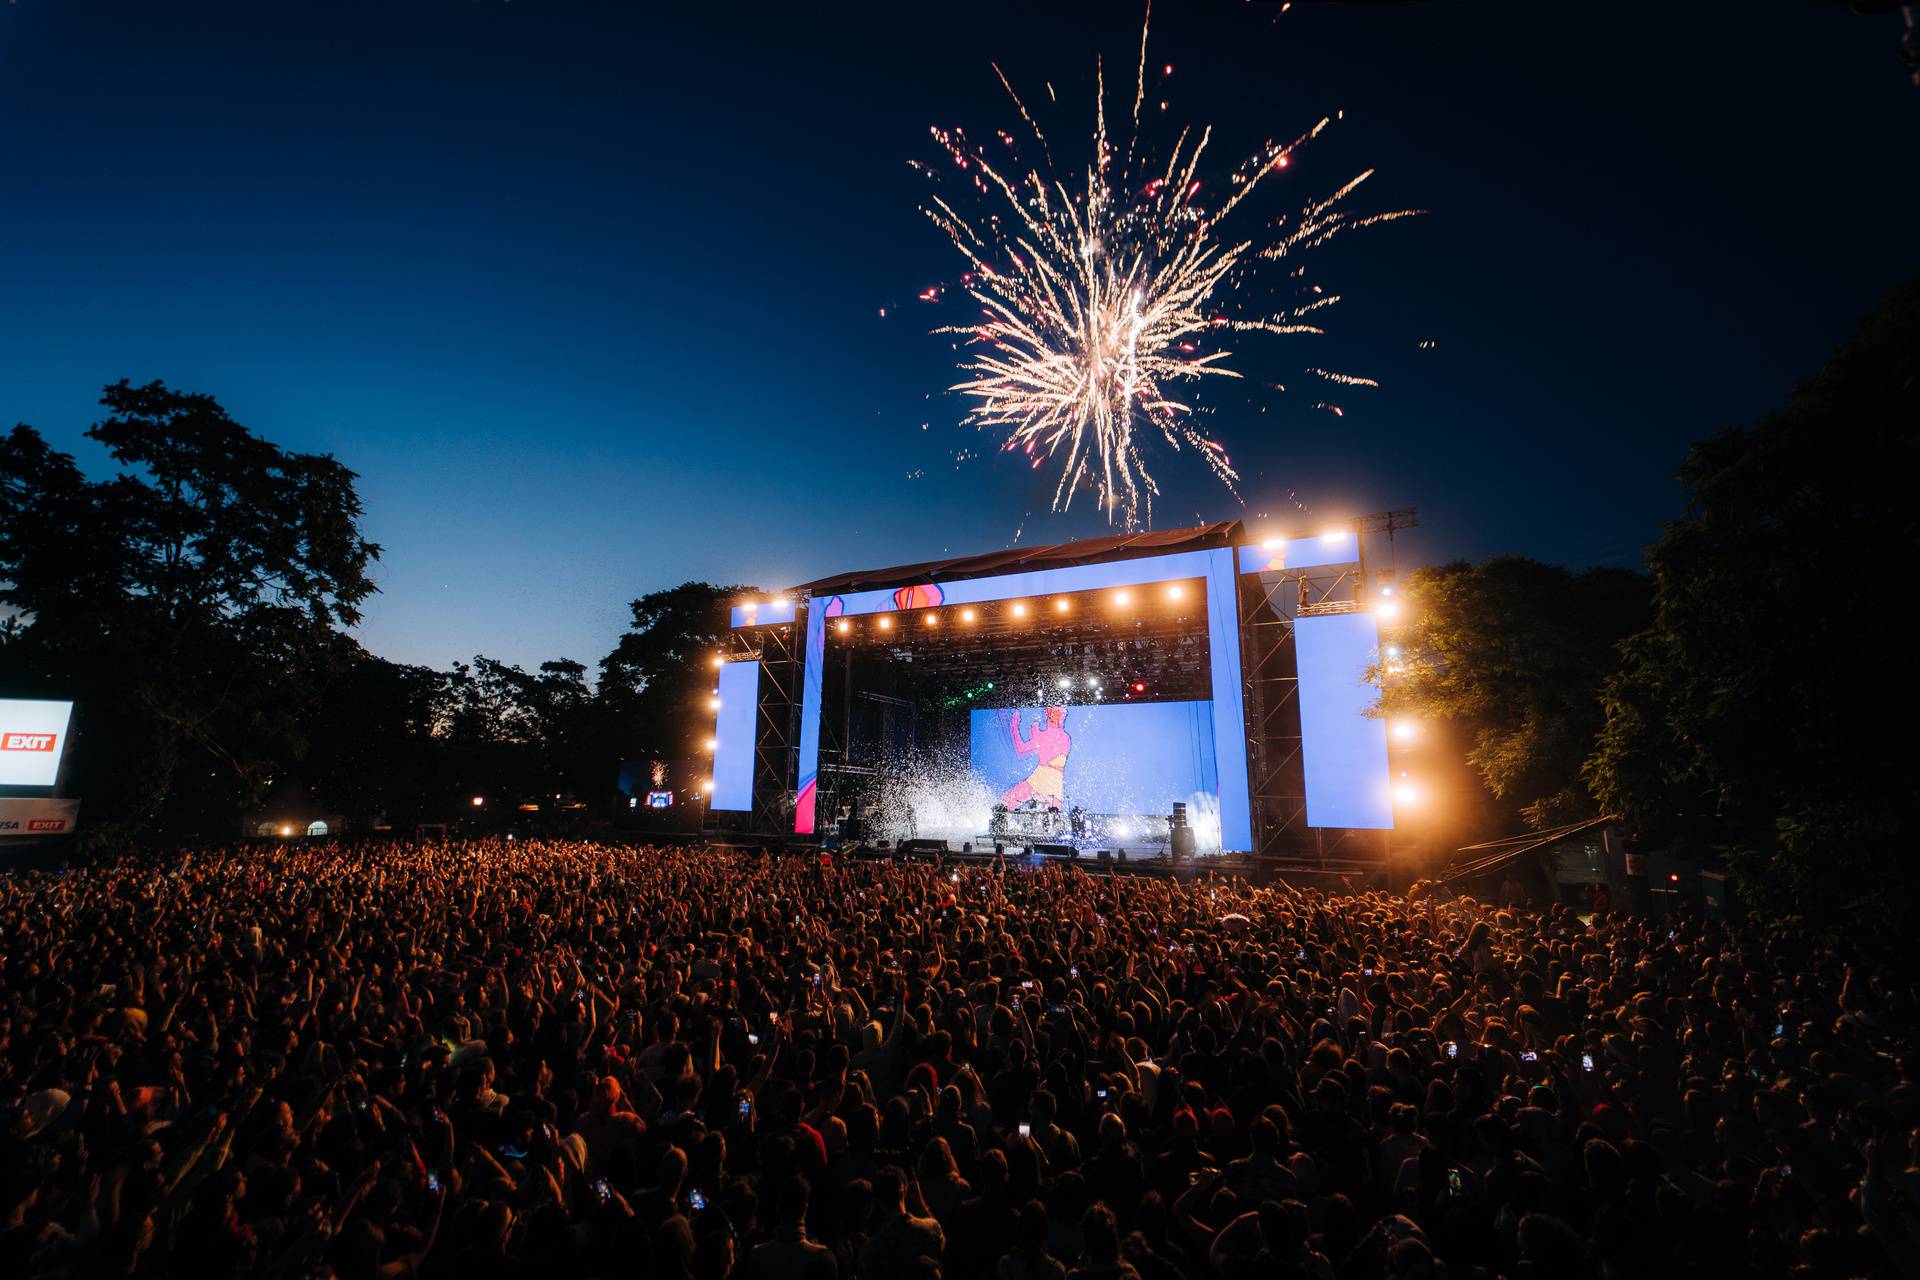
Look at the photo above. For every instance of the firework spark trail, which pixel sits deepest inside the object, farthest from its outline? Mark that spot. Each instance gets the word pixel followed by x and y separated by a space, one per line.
pixel 1098 292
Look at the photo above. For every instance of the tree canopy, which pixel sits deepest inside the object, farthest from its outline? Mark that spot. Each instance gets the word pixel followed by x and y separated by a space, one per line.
pixel 1513 654
pixel 192 600
pixel 1765 708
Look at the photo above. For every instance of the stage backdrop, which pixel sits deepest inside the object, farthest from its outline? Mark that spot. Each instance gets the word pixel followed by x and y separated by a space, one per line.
pixel 1131 758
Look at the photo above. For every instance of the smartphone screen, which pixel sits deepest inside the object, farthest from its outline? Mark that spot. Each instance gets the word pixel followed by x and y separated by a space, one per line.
pixel 1026 1130
pixel 1586 1062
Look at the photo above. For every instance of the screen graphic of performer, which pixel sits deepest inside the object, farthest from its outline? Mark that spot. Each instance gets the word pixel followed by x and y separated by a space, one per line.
pixel 1049 745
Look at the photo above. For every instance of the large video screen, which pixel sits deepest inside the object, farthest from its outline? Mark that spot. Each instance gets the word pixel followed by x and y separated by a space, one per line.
pixel 1343 744
pixel 739 693
pixel 33 736
pixel 1107 758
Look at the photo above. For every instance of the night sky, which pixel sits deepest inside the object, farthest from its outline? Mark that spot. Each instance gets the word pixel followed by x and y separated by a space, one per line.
pixel 590 294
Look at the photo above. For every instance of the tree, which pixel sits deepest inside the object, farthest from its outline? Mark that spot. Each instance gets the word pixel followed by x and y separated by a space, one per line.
pixel 1766 709
pixel 193 601
pixel 373 750
pixel 1513 654
pixel 652 684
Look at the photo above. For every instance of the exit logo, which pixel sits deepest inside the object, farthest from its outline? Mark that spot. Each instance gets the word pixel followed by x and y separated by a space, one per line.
pixel 27 741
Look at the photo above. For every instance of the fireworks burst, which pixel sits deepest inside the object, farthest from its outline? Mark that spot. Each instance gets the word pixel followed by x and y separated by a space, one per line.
pixel 1107 296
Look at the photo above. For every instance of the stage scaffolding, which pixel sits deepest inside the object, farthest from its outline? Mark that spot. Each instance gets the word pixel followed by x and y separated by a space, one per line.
pixel 1268 605
pixel 1270 602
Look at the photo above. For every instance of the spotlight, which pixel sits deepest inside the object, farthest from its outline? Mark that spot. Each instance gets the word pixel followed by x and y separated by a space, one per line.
pixel 845 626
pixel 1061 605
pixel 1122 598
pixel 719 661
pixel 286 831
pixel 1273 544
pixel 1065 682
pixel 1406 793
pixel 1405 730
pixel 1139 686
pixel 966 615
pixel 886 624
pixel 1176 593
pixel 1387 610
pixel 1092 683
pixel 478 801
pixel 713 703
pixel 932 620
pixel 707 785
pixel 1019 611
pixel 713 744
pixel 1332 535
pixel 1386 591
pixel 1393 651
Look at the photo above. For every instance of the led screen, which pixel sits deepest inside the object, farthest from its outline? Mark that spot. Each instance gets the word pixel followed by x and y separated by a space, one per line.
pixel 1343 748
pixel 733 736
pixel 1108 758
pixel 33 735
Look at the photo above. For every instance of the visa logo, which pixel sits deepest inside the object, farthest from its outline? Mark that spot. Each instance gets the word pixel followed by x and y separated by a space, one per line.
pixel 27 741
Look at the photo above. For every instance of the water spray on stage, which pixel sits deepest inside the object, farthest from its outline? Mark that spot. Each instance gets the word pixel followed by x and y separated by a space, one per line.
pixel 1106 293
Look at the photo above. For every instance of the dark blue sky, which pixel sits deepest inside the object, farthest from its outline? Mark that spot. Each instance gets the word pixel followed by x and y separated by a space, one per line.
pixel 589 294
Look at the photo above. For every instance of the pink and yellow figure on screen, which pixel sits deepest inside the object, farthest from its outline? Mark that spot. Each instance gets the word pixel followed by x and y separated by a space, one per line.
pixel 1050 745
pixel 921 597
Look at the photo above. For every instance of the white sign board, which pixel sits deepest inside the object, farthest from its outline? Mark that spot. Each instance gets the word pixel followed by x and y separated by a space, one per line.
pixel 38 817
pixel 33 736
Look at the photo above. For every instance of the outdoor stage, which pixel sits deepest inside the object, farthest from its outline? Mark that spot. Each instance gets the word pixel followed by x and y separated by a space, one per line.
pixel 1189 691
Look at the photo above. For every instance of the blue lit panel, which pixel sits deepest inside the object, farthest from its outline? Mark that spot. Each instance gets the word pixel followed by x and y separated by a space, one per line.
pixel 733 730
pixel 1344 749
pixel 763 613
pixel 1301 553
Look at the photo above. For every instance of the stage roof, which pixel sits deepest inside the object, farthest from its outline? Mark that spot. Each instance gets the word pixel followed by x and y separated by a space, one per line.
pixel 1123 546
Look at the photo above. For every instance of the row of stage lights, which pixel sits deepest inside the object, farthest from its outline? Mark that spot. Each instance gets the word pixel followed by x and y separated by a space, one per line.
pixel 931 617
pixel 1406 793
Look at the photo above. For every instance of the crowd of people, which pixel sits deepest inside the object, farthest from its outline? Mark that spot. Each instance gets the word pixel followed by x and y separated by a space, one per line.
pixel 555 1059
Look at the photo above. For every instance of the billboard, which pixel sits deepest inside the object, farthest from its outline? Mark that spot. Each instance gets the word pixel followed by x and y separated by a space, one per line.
pixel 33 737
pixel 38 817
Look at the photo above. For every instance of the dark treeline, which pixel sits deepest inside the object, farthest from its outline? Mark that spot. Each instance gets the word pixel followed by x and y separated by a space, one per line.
pixel 1744 697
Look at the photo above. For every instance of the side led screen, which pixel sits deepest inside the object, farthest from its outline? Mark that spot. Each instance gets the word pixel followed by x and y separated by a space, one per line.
pixel 733 736
pixel 33 736
pixel 1343 748
pixel 1132 759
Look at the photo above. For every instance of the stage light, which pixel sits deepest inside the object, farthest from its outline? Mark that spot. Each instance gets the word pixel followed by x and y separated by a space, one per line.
pixel 719 661
pixel 1122 598
pixel 1387 610
pixel 1176 593
pixel 1406 793
pixel 713 703
pixel 1273 544
pixel 713 744
pixel 1331 536
pixel 1092 683
pixel 286 831
pixel 932 620
pixel 1386 591
pixel 1019 611
pixel 1065 682
pixel 707 784
pixel 478 801
pixel 845 626
pixel 1393 651
pixel 886 624
pixel 966 615
pixel 1405 730
pixel 1061 606
pixel 1139 686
